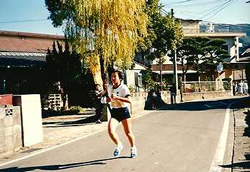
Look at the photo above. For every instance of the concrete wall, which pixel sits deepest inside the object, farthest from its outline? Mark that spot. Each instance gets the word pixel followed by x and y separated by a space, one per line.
pixel 206 95
pixel 130 75
pixel 138 102
pixel 190 26
pixel 140 98
pixel 21 124
pixel 10 130
pixel 31 118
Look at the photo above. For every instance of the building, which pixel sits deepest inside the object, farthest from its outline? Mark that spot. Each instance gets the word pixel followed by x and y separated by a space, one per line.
pixel 192 28
pixel 133 78
pixel 22 56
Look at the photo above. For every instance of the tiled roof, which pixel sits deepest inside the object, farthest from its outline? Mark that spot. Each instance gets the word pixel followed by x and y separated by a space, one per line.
pixel 20 59
pixel 33 35
pixel 26 42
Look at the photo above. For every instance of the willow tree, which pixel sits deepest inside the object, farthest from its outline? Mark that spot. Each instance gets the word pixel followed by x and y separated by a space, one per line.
pixel 104 32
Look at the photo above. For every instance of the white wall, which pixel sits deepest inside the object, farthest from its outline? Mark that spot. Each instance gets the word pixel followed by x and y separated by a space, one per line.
pixel 31 118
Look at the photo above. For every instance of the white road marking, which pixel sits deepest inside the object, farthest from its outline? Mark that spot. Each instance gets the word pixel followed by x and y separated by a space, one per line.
pixel 48 149
pixel 60 145
pixel 221 147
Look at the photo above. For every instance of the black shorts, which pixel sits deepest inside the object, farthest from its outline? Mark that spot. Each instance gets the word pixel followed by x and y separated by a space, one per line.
pixel 120 113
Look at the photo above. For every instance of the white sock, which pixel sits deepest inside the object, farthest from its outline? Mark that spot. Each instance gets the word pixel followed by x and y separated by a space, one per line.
pixel 119 145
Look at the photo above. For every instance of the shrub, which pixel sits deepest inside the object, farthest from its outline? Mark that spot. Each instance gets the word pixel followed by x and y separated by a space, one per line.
pixel 77 109
pixel 227 84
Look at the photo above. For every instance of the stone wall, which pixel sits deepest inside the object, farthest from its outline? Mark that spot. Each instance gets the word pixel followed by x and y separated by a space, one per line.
pixel 10 130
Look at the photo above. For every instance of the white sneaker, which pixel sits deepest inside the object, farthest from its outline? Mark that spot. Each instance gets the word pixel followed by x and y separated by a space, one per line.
pixel 133 152
pixel 118 150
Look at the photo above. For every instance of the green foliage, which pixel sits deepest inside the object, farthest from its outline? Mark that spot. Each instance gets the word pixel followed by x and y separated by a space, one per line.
pixel 104 32
pixel 186 55
pixel 202 53
pixel 214 52
pixel 227 85
pixel 72 111
pixel 62 65
pixel 152 11
pixel 210 87
pixel 77 109
pixel 131 88
pixel 168 36
pixel 164 33
pixel 147 79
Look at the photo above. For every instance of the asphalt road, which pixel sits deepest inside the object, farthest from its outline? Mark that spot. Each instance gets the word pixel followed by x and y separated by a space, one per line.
pixel 177 138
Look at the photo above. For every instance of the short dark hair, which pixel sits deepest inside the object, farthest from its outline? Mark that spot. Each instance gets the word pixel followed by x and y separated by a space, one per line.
pixel 120 73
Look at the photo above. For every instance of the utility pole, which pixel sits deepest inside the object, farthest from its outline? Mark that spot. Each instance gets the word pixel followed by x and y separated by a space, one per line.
pixel 175 75
pixel 161 62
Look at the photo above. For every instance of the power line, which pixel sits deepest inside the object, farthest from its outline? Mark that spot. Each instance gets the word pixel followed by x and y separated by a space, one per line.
pixel 186 3
pixel 217 9
pixel 218 24
pixel 23 21
pixel 210 10
pixel 220 10
pixel 198 13
pixel 206 14
pixel 181 2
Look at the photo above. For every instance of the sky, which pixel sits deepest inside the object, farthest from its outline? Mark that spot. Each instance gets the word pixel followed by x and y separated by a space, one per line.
pixel 32 15
pixel 215 11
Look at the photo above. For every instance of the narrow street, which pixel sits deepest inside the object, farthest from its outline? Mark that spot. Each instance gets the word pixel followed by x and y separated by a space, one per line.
pixel 176 138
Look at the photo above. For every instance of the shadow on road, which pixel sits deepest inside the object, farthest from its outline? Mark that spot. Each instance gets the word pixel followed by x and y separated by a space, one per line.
pixel 208 104
pixel 187 106
pixel 238 165
pixel 79 122
pixel 63 166
pixel 247 129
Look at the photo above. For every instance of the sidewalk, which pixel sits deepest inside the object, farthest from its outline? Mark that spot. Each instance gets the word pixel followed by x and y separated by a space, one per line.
pixel 59 130
pixel 238 149
pixel 241 149
pixel 63 129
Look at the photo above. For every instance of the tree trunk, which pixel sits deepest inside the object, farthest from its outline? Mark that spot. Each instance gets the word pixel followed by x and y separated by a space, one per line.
pixel 98 73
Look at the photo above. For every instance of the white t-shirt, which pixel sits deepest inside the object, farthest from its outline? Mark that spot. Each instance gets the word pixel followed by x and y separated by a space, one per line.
pixel 121 91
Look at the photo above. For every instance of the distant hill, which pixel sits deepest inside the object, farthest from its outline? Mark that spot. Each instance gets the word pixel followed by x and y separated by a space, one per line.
pixel 232 28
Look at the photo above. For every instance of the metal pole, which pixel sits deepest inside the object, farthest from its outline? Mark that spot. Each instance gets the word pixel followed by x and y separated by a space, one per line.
pixel 161 73
pixel 175 72
pixel 175 60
